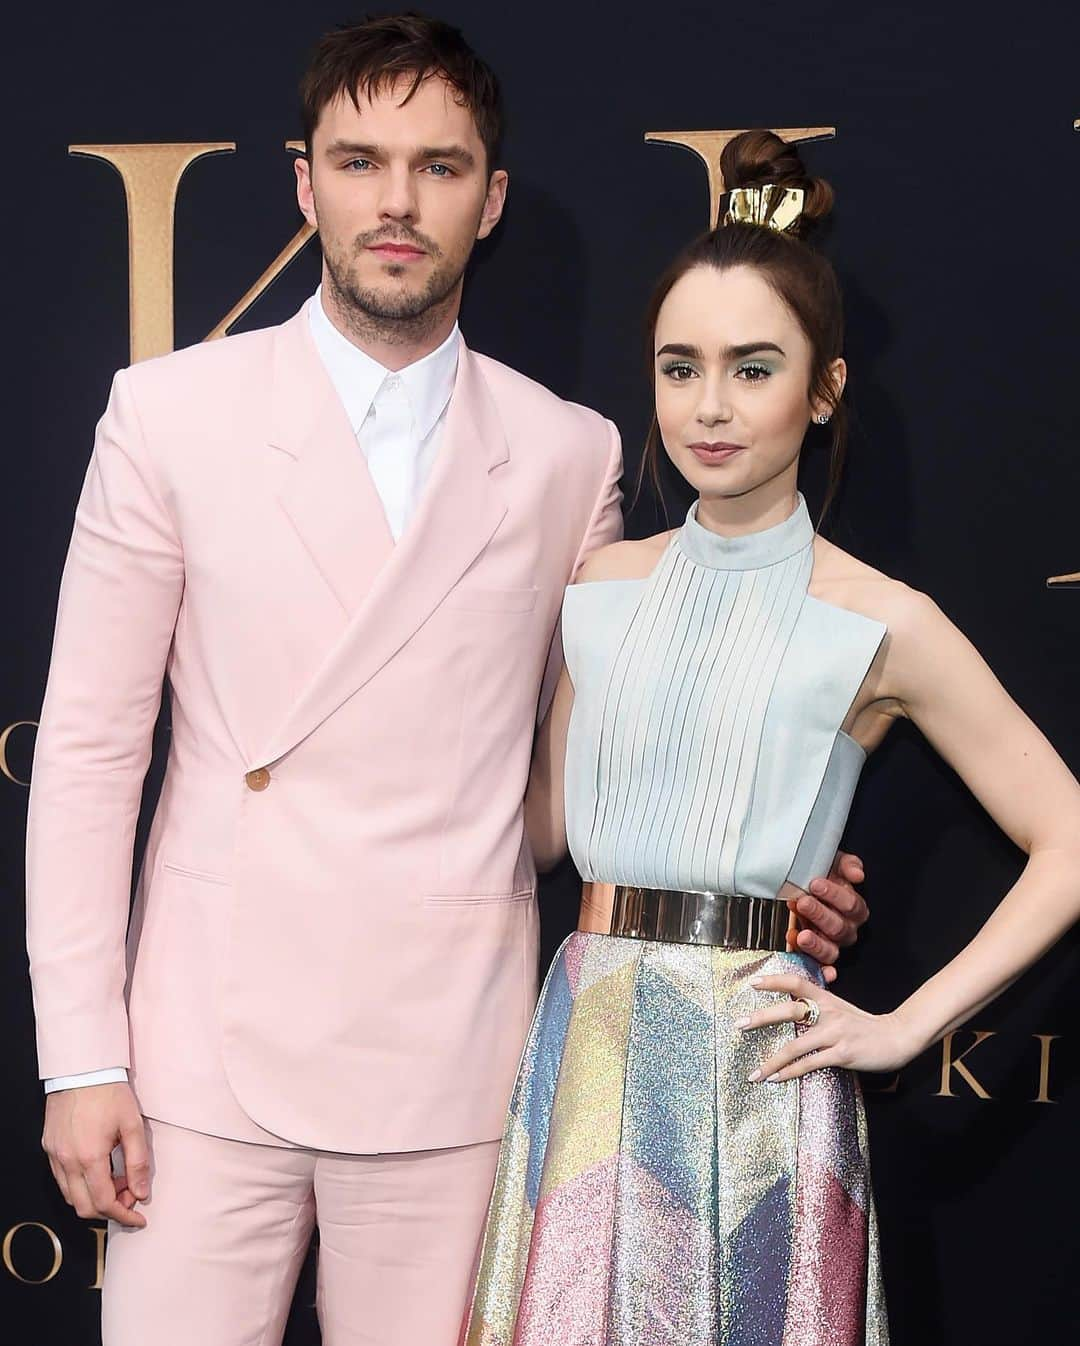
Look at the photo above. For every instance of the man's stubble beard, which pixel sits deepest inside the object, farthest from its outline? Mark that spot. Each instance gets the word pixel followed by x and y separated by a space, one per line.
pixel 392 319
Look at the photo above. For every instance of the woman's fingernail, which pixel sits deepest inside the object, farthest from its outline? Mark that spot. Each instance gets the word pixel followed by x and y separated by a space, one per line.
pixel 742 1023
pixel 771 1079
pixel 818 888
pixel 754 1077
pixel 755 982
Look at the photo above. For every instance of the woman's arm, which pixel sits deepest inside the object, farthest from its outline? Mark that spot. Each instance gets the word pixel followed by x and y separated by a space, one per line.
pixel 545 809
pixel 942 684
pixel 545 805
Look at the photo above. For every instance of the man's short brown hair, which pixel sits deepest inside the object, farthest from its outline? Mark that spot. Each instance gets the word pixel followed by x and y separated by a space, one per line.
pixel 366 58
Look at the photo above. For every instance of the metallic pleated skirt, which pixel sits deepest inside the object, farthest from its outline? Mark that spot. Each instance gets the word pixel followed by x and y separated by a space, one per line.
pixel 648 1195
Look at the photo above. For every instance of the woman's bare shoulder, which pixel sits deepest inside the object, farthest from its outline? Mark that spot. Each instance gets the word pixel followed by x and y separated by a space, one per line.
pixel 845 581
pixel 631 560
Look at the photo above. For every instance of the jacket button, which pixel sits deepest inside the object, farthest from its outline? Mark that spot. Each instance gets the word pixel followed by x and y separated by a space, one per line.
pixel 258 779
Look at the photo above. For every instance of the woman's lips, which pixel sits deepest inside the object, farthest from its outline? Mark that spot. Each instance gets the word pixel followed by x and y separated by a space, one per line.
pixel 712 454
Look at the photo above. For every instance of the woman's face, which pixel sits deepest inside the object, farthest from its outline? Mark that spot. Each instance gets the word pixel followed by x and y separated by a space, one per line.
pixel 732 376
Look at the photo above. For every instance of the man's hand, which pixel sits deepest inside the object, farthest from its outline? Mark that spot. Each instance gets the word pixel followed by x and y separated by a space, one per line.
pixel 831 913
pixel 82 1127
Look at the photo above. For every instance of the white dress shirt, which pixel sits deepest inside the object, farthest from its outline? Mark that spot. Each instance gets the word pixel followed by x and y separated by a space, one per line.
pixel 397 418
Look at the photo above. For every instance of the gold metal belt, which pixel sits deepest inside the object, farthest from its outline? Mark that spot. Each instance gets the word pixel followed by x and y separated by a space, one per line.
pixel 724 920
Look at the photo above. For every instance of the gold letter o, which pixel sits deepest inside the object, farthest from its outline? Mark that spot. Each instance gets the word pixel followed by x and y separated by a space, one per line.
pixel 4 768
pixel 58 1252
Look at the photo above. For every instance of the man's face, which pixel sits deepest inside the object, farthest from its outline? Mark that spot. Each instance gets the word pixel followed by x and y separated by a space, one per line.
pixel 400 193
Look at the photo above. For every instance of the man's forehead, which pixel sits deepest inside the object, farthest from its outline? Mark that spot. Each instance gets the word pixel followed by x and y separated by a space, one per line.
pixel 435 102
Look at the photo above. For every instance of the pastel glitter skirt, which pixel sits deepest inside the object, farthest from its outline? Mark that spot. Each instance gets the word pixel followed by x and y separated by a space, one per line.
pixel 648 1195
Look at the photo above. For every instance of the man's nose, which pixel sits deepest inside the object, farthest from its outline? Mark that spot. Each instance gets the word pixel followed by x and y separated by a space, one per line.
pixel 398 198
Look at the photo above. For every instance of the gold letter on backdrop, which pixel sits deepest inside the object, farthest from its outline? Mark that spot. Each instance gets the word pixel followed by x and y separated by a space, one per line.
pixel 58 1252
pixel 100 1232
pixel 5 769
pixel 709 145
pixel 1044 1040
pixel 276 267
pixel 949 1063
pixel 151 175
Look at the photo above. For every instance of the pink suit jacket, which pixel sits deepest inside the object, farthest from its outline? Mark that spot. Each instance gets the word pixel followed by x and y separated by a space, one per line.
pixel 334 939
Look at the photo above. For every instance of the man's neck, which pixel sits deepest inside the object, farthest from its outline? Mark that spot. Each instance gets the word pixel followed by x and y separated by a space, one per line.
pixel 393 342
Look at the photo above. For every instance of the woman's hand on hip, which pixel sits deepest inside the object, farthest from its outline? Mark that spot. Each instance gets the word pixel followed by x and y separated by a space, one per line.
pixel 843 1035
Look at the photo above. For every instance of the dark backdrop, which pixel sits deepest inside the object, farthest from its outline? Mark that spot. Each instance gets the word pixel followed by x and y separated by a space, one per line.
pixel 955 165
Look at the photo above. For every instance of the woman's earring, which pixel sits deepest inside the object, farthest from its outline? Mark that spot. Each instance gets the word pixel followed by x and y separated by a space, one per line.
pixel 822 419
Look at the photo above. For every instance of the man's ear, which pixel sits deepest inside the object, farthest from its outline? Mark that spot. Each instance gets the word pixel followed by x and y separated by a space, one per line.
pixel 494 202
pixel 305 194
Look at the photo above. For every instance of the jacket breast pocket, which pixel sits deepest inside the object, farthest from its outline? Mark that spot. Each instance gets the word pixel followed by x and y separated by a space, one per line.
pixel 185 872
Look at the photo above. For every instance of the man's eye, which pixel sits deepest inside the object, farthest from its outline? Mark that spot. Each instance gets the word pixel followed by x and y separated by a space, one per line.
pixel 441 170
pixel 357 164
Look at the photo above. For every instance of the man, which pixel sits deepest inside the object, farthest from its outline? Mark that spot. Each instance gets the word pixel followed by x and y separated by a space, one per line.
pixel 344 541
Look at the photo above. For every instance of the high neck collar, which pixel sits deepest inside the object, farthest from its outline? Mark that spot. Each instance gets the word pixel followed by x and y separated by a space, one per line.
pixel 751 551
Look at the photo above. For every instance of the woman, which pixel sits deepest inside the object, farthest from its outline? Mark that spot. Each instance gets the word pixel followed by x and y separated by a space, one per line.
pixel 684 1159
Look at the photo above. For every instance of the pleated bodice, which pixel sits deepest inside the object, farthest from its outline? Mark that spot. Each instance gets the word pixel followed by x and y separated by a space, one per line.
pixel 705 749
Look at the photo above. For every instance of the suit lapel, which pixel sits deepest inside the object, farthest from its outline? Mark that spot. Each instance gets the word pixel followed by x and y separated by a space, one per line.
pixel 459 512
pixel 325 487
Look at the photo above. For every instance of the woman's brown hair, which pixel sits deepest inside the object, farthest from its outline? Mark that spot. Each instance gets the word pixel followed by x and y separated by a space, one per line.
pixel 802 277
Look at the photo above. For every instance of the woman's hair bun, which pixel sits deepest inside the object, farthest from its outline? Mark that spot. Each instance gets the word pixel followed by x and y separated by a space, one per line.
pixel 757 157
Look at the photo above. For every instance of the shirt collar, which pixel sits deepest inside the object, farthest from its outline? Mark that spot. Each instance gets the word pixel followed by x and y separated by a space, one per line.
pixel 357 378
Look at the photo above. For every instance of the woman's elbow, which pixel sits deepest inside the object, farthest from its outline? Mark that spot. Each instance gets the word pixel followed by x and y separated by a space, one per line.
pixel 547 853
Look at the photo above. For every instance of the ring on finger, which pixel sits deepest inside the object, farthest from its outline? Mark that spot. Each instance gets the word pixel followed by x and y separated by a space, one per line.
pixel 811 1011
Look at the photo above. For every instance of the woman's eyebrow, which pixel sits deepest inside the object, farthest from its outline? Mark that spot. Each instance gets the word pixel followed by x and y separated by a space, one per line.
pixel 678 348
pixel 750 348
pixel 728 353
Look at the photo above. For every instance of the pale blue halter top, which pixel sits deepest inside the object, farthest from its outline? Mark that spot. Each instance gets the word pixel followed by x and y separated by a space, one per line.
pixel 705 750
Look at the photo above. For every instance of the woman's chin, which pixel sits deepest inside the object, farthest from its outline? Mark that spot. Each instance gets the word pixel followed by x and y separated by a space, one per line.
pixel 723 484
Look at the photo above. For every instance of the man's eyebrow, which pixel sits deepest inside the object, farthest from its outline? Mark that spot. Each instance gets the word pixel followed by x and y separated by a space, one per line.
pixel 352 147
pixel 456 153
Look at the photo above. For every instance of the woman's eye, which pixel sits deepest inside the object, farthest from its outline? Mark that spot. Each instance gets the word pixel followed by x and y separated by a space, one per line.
pixel 753 373
pixel 679 371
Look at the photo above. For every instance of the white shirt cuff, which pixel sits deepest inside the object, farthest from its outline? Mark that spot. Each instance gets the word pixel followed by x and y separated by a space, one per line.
pixel 115 1075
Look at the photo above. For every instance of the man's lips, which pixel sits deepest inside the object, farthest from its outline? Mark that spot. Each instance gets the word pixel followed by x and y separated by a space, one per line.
pixel 398 251
pixel 715 453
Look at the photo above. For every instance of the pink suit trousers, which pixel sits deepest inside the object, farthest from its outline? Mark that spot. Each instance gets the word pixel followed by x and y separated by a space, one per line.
pixel 228 1227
